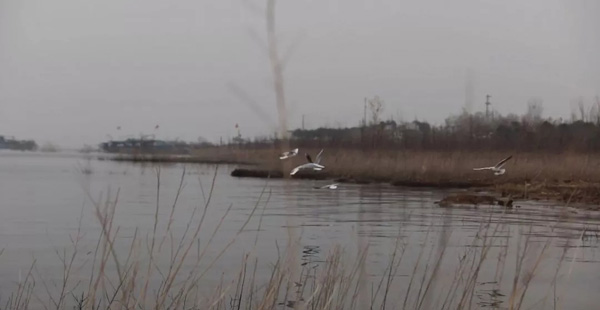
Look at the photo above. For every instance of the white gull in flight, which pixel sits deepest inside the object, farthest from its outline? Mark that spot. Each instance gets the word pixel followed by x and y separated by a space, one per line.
pixel 289 154
pixel 310 165
pixel 498 170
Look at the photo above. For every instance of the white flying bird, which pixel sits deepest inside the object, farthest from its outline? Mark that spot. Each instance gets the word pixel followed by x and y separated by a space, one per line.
pixel 330 186
pixel 289 154
pixel 310 165
pixel 498 170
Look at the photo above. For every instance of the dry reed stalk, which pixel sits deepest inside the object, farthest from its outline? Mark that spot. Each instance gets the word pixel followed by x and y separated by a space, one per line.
pixel 174 271
pixel 153 240
pixel 22 297
pixel 179 190
pixel 414 272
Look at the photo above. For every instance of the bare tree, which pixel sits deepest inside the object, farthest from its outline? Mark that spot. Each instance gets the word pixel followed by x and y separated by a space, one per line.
pixel 376 108
pixel 577 107
pixel 535 109
pixel 581 107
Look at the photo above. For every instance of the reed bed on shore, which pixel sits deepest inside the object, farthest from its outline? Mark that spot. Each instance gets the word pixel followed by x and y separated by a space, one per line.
pixel 430 166
pixel 566 177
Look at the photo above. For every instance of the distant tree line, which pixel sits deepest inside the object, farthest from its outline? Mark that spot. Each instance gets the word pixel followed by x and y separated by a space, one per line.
pixel 462 132
pixel 18 145
pixel 465 131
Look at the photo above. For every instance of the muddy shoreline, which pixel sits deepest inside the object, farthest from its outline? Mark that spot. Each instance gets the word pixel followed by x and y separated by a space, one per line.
pixel 565 192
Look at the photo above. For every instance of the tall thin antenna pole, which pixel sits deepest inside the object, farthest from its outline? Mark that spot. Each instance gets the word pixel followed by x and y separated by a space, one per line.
pixel 487 106
pixel 365 113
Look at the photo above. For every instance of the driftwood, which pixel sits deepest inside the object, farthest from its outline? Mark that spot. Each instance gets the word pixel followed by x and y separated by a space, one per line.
pixel 475 200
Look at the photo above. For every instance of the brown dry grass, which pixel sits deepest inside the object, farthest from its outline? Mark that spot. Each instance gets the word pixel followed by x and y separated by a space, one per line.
pixel 573 177
pixel 429 166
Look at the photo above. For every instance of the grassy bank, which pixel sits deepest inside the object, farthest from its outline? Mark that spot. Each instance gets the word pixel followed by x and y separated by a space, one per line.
pixel 565 177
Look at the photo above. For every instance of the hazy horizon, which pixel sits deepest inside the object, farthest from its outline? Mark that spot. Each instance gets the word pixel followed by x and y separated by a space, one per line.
pixel 71 72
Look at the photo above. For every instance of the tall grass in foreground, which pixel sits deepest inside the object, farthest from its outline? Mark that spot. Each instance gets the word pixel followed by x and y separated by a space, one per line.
pixel 137 280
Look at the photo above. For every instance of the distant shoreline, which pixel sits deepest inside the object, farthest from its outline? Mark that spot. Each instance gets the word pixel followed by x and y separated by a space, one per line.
pixel 184 159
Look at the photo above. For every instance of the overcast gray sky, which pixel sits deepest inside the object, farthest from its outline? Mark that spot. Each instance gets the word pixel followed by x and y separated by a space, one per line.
pixel 71 71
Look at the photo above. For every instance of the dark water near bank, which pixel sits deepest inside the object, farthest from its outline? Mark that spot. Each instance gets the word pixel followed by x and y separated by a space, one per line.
pixel 43 196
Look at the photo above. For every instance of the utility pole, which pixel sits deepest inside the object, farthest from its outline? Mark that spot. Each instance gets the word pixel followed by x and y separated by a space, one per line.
pixel 302 121
pixel 598 109
pixel 365 114
pixel 487 106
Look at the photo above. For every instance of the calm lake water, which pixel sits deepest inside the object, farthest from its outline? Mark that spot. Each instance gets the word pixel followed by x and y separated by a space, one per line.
pixel 43 197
